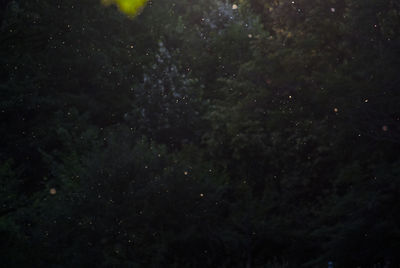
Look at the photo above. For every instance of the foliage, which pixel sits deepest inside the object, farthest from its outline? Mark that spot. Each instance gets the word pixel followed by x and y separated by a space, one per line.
pixel 199 134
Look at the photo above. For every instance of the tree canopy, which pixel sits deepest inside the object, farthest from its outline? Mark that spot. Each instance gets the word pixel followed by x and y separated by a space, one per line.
pixel 257 133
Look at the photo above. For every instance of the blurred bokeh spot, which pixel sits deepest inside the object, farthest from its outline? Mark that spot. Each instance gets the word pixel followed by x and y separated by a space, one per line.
pixel 129 7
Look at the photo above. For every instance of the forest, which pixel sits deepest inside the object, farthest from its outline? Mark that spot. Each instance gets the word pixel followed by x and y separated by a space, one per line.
pixel 200 133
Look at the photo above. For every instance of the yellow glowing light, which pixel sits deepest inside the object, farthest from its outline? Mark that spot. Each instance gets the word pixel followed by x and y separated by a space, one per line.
pixel 129 7
pixel 234 6
pixel 53 191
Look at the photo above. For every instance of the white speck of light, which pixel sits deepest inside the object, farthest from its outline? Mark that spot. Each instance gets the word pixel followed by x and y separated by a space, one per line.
pixel 234 6
pixel 333 9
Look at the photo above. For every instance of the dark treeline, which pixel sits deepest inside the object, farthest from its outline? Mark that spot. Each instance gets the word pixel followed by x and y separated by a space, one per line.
pixel 258 133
